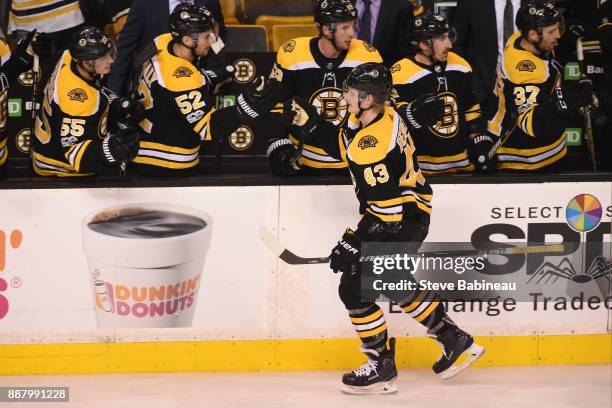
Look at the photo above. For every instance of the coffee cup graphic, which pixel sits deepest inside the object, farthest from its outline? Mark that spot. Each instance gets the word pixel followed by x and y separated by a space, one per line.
pixel 145 262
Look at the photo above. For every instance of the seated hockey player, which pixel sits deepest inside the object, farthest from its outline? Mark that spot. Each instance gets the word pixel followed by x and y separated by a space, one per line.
pixel 396 204
pixel 443 147
pixel 314 68
pixel 177 97
pixel 11 65
pixel 533 104
pixel 73 134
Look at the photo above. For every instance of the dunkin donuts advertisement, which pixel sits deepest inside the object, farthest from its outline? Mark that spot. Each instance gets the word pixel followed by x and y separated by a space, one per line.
pixel 189 263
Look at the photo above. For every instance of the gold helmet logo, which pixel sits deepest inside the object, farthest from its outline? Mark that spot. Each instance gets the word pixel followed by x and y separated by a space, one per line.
pixel 22 140
pixel 242 138
pixel 245 70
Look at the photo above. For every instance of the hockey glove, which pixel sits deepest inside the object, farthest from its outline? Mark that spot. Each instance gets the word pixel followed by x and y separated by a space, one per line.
pixel 301 114
pixel 345 257
pixel 23 49
pixel 258 99
pixel 120 147
pixel 478 152
pixel 123 113
pixel 42 45
pixel 284 157
pixel 425 111
pixel 572 97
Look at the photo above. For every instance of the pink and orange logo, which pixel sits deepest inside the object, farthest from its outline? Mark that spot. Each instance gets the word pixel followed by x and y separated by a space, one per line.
pixel 15 240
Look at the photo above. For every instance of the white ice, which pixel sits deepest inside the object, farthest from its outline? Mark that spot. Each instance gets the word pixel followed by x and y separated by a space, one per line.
pixel 516 387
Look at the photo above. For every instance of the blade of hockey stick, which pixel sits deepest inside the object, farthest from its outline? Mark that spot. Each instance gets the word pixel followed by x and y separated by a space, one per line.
pixel 283 253
pixel 292 259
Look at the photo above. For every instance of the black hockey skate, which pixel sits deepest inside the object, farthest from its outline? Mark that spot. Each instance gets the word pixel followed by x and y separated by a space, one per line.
pixel 376 376
pixel 455 342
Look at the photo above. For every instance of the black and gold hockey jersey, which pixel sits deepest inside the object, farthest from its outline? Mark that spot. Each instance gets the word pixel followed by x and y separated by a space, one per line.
pixel 70 125
pixel 5 55
pixel 178 108
pixel 524 86
pixel 441 148
pixel 383 165
pixel 47 16
pixel 307 73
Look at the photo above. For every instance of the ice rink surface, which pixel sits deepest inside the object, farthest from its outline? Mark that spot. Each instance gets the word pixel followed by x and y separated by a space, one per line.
pixel 544 386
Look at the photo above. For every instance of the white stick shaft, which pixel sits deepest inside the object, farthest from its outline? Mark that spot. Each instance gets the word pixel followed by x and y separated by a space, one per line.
pixel 579 50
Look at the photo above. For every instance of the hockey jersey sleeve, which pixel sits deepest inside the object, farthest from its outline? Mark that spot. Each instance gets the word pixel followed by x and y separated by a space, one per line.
pixel 331 138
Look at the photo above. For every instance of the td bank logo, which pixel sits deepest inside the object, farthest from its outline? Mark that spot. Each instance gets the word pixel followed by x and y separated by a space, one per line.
pixel 573 136
pixel 15 239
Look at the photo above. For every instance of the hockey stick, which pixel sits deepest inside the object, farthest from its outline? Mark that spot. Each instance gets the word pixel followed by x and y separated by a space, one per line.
pixel 35 79
pixel 500 142
pixel 292 259
pixel 586 112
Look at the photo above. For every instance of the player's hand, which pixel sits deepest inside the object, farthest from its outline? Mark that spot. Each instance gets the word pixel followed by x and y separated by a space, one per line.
pixel 259 98
pixel 300 113
pixel 121 146
pixel 123 111
pixel 345 257
pixel 425 111
pixel 284 157
pixel 23 49
pixel 42 45
pixel 574 96
pixel 478 152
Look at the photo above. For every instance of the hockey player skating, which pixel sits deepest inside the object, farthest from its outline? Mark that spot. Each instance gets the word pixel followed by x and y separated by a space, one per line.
pixel 178 101
pixel 314 68
pixel 72 128
pixel 529 88
pixel 395 198
pixel 451 144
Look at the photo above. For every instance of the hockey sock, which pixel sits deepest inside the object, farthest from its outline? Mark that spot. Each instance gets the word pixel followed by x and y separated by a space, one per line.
pixel 371 327
pixel 424 307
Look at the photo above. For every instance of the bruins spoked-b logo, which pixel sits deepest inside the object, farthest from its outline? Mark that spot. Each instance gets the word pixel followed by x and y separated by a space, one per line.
pixel 245 70
pixel 242 138
pixel 449 125
pixel 22 140
pixel 182 72
pixel 330 104
pixel 77 94
pixel 27 78
pixel 367 142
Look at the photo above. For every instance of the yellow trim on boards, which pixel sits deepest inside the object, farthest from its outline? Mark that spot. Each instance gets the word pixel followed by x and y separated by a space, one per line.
pixel 287 355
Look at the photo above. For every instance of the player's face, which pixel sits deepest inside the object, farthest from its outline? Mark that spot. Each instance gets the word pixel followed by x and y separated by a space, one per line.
pixel 344 34
pixel 205 40
pixel 102 65
pixel 441 46
pixel 550 37
pixel 351 96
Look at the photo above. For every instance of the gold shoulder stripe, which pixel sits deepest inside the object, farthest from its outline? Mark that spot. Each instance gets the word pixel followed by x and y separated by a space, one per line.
pixel 406 71
pixel 295 52
pixel 174 73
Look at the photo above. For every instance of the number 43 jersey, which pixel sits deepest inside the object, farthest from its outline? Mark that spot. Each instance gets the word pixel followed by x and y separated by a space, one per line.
pixel 525 83
pixel 382 160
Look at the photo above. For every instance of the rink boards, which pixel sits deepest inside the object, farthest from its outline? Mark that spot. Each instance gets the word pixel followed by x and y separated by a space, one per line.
pixel 252 311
